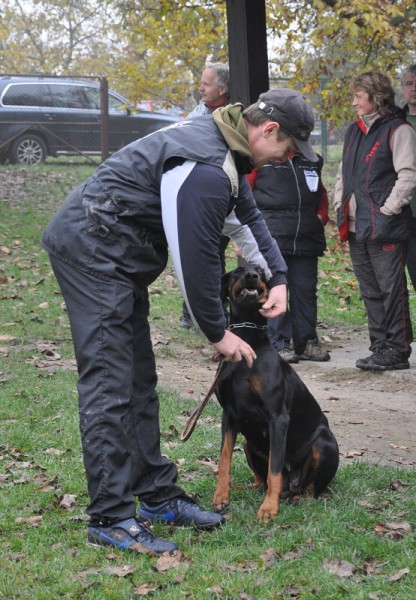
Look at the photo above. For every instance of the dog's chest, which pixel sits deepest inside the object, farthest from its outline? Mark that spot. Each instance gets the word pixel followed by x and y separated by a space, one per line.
pixel 241 394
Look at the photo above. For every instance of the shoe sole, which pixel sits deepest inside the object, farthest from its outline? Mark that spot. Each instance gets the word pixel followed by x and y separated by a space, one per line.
pixel 100 541
pixel 204 527
pixel 313 359
pixel 372 367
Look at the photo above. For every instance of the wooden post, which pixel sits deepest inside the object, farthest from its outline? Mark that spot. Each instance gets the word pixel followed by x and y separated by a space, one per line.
pixel 247 50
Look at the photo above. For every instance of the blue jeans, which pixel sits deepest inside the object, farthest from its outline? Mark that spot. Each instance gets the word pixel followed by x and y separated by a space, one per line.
pixel 299 321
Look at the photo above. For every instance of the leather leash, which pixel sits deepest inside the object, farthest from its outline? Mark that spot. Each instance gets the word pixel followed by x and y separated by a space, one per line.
pixel 192 421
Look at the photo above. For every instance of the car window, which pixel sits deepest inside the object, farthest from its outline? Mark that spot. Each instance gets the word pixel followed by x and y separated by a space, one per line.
pixel 26 94
pixel 93 97
pixel 64 96
pixel 115 104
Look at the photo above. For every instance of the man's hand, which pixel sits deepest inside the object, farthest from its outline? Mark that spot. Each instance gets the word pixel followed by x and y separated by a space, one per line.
pixel 234 349
pixel 276 303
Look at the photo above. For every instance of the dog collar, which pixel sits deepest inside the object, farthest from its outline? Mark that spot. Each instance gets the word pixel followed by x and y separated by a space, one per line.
pixel 248 325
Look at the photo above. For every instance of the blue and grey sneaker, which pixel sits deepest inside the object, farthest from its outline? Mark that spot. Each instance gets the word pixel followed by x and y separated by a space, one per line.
pixel 181 510
pixel 129 534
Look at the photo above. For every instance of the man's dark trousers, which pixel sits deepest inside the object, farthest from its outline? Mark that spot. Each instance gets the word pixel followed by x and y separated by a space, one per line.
pixel 119 413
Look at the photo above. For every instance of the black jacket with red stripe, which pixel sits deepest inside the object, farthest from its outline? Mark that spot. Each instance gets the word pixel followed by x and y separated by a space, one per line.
pixel 368 173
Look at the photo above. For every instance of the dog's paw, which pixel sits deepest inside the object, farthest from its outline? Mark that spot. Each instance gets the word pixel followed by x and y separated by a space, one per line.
pixel 220 501
pixel 267 511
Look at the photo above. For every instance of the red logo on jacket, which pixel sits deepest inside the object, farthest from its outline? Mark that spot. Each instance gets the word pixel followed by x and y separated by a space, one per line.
pixel 372 152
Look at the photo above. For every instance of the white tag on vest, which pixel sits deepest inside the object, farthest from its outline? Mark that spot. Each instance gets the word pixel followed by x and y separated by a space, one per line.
pixel 312 180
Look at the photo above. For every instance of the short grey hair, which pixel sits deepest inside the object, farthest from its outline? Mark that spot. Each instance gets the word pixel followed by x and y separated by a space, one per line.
pixel 410 70
pixel 222 72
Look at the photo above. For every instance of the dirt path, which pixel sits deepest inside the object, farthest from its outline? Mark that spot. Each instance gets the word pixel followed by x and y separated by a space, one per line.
pixel 372 415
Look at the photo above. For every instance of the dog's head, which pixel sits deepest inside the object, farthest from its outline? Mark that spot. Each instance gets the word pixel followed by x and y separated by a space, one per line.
pixel 246 287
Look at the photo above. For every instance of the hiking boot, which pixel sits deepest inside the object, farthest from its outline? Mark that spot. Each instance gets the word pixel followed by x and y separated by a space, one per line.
pixel 129 534
pixel 361 362
pixel 181 510
pixel 288 355
pixel 388 359
pixel 313 351
pixel 185 322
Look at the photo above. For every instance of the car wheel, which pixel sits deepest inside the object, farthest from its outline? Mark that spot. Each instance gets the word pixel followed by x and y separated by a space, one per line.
pixel 28 150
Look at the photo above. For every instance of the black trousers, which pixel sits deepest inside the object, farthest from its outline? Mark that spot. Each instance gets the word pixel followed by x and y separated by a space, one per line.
pixel 380 271
pixel 300 320
pixel 118 404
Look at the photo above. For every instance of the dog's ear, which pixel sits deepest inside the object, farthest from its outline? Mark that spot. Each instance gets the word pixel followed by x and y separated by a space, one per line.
pixel 225 282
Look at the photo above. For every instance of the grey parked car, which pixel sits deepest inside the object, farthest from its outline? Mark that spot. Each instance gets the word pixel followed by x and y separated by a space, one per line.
pixel 45 116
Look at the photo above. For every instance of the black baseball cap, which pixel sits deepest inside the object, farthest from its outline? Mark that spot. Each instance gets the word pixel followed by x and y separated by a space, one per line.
pixel 294 115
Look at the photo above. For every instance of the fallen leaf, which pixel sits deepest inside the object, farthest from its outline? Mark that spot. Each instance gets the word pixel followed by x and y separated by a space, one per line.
pixel 144 590
pixel 217 590
pixel 119 571
pixel 370 506
pixel 31 521
pixel 54 451
pixel 370 567
pixel 399 575
pixel 268 558
pixel 169 561
pixel 82 575
pixel 396 526
pixel 15 556
pixel 51 355
pixel 211 464
pixel 291 555
pixel 393 530
pixel 398 484
pixel 68 501
pixel 240 566
pixel 352 453
pixel 342 568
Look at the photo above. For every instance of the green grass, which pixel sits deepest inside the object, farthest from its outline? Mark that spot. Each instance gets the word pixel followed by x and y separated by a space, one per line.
pixel 43 550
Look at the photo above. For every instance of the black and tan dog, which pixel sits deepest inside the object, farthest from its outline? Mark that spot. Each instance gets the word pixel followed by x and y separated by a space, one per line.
pixel 289 445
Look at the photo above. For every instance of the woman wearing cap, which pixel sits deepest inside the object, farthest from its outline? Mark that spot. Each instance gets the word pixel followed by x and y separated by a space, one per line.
pixel 182 187
pixel 372 195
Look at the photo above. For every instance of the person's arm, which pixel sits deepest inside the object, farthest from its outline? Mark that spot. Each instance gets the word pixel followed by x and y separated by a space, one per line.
pixel 194 200
pixel 337 198
pixel 322 211
pixel 246 227
pixel 403 147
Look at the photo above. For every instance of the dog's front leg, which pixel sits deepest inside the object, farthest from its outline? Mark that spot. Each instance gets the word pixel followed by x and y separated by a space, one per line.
pixel 221 497
pixel 278 431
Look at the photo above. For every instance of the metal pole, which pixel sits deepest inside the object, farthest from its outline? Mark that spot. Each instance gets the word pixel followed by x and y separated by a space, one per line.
pixel 104 117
